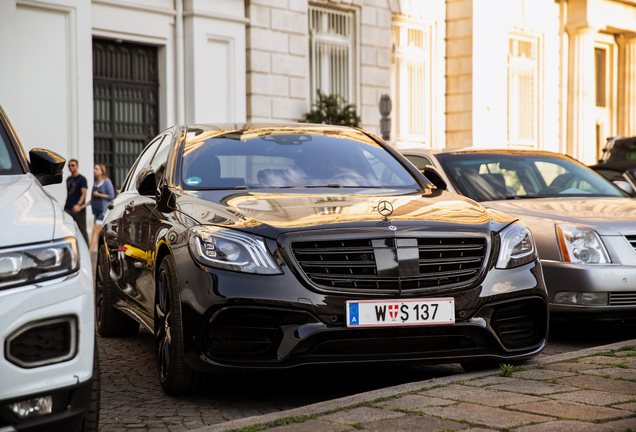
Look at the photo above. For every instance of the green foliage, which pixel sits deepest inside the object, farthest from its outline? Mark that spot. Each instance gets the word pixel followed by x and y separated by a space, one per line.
pixel 332 109
pixel 506 369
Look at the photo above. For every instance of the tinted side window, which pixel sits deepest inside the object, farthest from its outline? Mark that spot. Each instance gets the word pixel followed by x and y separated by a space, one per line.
pixel 9 163
pixel 142 162
pixel 419 161
pixel 158 163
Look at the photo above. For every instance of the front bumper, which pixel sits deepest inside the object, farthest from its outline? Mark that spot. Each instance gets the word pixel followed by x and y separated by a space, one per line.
pixel 249 322
pixel 619 281
pixel 67 377
pixel 70 407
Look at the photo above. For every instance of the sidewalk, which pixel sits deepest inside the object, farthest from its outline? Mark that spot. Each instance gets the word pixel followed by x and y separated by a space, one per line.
pixel 588 390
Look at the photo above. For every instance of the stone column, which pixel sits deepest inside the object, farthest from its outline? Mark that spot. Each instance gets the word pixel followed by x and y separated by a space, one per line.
pixel 581 127
pixel 629 86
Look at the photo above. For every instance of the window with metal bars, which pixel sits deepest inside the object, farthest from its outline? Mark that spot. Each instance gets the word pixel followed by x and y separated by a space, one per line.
pixel 522 90
pixel 331 44
pixel 410 71
pixel 125 104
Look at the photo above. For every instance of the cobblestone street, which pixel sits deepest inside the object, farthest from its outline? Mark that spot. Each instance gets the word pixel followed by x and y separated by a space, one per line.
pixel 132 398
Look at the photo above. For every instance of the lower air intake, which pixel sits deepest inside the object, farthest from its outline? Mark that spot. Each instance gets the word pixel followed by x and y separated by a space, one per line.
pixel 520 324
pixel 42 343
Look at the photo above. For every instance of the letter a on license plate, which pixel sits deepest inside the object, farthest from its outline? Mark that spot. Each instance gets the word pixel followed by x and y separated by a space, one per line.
pixel 372 313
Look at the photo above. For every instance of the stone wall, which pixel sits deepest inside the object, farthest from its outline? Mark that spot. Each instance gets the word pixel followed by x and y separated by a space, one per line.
pixel 278 58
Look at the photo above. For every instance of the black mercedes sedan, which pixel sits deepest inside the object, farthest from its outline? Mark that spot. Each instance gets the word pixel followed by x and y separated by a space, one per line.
pixel 254 247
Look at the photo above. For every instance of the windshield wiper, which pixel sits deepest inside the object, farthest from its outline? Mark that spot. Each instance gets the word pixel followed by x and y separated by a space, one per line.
pixel 524 196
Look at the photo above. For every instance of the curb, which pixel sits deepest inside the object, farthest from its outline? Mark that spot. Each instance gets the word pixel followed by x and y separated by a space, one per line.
pixel 322 407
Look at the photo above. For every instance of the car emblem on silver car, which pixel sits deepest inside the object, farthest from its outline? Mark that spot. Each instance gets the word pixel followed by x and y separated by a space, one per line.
pixel 385 208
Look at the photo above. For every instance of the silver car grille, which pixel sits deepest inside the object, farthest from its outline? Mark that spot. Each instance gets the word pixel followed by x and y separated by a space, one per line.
pixel 622 298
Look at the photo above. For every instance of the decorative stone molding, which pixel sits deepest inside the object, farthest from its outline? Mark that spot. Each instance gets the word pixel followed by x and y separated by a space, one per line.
pixel 629 95
pixel 581 136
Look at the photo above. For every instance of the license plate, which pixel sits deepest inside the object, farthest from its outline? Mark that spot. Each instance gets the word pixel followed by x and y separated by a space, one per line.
pixel 376 313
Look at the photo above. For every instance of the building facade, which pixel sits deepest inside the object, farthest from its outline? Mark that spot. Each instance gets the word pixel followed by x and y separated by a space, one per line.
pixel 95 80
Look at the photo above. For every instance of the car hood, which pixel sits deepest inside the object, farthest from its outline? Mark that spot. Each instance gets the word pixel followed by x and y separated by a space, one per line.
pixel 270 212
pixel 27 212
pixel 608 216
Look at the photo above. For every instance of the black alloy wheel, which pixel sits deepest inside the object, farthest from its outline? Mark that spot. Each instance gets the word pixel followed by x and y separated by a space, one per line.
pixel 175 376
pixel 109 321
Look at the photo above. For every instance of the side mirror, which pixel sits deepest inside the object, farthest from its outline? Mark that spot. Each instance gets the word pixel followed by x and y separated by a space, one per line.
pixel 434 176
pixel 624 186
pixel 146 183
pixel 630 176
pixel 46 166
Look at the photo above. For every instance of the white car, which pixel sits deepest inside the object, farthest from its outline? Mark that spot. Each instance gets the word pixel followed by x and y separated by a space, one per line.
pixel 49 371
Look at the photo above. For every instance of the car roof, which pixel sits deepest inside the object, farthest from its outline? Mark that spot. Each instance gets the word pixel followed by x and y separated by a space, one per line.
pixel 243 131
pixel 477 150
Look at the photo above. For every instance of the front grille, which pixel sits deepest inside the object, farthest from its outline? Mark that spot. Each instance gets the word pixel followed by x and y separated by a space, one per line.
pixel 622 298
pixel 520 324
pixel 42 343
pixel 632 240
pixel 391 264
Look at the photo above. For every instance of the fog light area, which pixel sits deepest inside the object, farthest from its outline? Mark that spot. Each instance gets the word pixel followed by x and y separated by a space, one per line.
pixel 32 407
pixel 581 298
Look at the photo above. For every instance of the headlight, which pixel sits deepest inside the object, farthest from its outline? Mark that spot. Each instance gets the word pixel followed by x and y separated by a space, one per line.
pixel 231 250
pixel 516 247
pixel 581 245
pixel 35 263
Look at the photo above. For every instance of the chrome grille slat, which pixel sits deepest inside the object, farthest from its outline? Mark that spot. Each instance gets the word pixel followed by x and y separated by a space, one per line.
pixel 352 263
pixel 622 298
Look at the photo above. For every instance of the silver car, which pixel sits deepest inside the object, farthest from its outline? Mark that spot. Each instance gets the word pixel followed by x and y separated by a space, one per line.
pixel 584 226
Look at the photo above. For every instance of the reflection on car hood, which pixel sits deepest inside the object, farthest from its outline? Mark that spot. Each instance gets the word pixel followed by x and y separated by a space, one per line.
pixel 26 211
pixel 609 216
pixel 271 212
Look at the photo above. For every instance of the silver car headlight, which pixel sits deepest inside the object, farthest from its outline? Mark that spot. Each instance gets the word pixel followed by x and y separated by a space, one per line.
pixel 231 250
pixel 581 245
pixel 39 262
pixel 516 247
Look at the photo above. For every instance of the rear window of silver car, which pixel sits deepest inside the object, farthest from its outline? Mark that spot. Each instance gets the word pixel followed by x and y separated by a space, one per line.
pixel 290 160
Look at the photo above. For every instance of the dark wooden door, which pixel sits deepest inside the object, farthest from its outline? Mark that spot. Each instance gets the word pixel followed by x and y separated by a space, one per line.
pixel 125 103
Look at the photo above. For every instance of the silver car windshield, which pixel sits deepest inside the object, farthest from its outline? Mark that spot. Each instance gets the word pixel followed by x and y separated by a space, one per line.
pixel 498 176
pixel 290 160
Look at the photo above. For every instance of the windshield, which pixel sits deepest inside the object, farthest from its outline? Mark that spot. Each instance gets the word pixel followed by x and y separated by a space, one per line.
pixel 487 177
pixel 289 160
pixel 9 163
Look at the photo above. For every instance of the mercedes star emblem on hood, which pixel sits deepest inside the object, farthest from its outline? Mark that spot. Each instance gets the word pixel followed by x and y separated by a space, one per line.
pixel 385 208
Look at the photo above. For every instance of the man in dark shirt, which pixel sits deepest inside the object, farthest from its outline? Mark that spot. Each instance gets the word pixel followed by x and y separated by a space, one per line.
pixel 76 188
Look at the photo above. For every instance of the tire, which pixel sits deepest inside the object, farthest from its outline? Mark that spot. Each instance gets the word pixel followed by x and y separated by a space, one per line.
pixel 175 376
pixel 91 421
pixel 109 321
